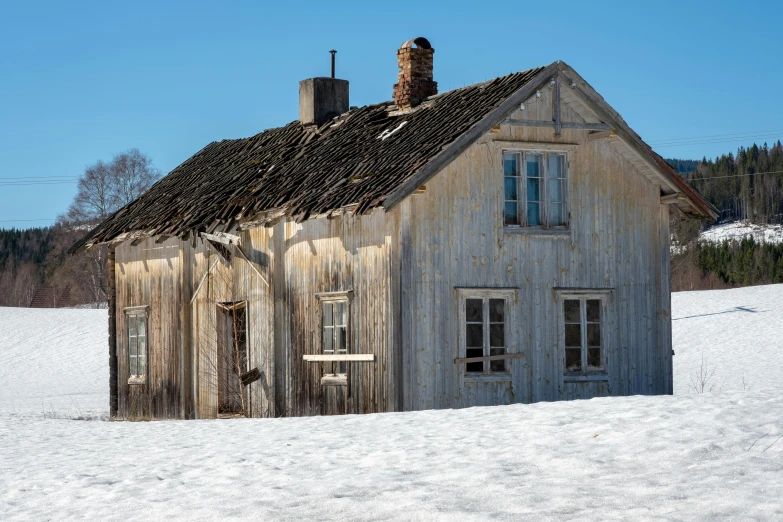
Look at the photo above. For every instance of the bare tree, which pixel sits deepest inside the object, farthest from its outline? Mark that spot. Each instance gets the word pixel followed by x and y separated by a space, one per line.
pixel 103 189
pixel 18 283
pixel 106 187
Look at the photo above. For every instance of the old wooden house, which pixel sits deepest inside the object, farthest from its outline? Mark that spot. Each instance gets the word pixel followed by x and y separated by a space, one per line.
pixel 505 242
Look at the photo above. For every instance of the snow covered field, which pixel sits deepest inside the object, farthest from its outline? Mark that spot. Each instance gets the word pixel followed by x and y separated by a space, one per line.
pixel 688 457
pixel 736 231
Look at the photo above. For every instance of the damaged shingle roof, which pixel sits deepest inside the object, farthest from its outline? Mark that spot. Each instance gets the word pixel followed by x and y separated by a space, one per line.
pixel 358 158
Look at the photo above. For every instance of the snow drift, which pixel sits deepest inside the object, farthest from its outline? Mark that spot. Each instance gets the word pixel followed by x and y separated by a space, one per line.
pixel 690 456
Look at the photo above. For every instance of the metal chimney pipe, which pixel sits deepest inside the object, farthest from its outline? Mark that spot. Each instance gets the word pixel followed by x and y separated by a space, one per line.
pixel 333 53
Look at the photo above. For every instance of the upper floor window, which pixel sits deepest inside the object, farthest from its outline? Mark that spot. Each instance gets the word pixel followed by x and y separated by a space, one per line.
pixel 534 188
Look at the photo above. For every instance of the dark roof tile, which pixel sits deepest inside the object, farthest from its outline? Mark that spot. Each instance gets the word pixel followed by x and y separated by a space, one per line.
pixel 358 158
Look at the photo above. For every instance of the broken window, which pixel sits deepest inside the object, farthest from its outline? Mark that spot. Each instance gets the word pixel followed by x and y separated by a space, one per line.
pixel 232 357
pixel 136 318
pixel 583 334
pixel 534 189
pixel 484 333
pixel 335 334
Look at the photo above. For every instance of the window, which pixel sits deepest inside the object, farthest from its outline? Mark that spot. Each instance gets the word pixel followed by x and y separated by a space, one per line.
pixel 534 188
pixel 484 333
pixel 137 343
pixel 335 333
pixel 583 335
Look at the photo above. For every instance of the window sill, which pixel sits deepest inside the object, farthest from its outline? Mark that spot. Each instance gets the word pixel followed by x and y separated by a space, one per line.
pixel 592 377
pixel 334 380
pixel 529 231
pixel 494 377
pixel 138 380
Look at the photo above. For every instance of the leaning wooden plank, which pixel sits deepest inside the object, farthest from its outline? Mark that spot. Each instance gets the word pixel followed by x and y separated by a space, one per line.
pixel 222 237
pixel 489 358
pixel 242 253
pixel 673 198
pixel 250 377
pixel 337 357
pixel 201 283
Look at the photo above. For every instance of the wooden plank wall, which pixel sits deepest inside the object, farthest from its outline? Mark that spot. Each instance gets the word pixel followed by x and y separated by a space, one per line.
pixel 149 274
pixel 182 377
pixel 336 255
pixel 229 282
pixel 403 267
pixel 457 240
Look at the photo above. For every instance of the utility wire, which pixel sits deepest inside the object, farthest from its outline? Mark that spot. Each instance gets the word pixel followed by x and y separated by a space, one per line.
pixel 719 137
pixel 25 183
pixel 735 175
pixel 18 220
pixel 37 177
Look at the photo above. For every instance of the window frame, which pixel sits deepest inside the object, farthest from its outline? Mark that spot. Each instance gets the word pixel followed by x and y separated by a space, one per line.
pixel 135 312
pixel 585 374
pixel 508 295
pixel 328 376
pixel 544 203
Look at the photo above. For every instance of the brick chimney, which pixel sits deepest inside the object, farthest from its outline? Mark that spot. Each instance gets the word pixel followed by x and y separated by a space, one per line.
pixel 414 81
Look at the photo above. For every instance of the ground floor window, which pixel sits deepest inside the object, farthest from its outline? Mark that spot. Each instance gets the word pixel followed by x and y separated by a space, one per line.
pixel 335 314
pixel 484 332
pixel 583 333
pixel 136 321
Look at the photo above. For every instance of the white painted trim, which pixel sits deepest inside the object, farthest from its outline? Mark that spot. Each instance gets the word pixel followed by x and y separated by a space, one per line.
pixel 133 310
pixel 553 233
pixel 325 297
pixel 536 146
pixel 334 380
pixel 328 357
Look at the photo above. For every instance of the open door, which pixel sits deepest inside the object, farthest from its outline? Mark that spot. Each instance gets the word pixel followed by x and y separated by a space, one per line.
pixel 233 399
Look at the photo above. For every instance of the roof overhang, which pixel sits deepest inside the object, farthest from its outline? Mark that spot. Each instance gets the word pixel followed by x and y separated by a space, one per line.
pixel 674 189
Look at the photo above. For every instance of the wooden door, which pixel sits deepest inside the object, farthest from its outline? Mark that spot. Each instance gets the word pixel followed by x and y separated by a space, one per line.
pixel 232 358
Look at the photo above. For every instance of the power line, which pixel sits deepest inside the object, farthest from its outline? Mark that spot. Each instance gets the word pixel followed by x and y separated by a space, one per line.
pixel 740 135
pixel 26 183
pixel 33 178
pixel 736 175
pixel 18 220
pixel 684 144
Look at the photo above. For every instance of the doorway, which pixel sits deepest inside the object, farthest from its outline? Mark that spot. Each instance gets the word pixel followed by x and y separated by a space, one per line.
pixel 233 399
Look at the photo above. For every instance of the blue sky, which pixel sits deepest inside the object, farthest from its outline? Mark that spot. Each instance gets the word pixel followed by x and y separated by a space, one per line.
pixel 80 81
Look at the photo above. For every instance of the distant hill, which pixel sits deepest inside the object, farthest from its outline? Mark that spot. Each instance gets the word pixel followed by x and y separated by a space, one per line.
pixel 746 186
pixel 36 257
pixel 683 166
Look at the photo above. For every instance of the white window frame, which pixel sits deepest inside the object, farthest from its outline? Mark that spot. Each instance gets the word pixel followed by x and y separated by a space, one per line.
pixel 508 295
pixel 329 375
pixel 585 374
pixel 522 197
pixel 131 313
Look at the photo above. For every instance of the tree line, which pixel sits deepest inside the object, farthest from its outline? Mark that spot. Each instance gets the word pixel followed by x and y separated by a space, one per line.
pixel 745 186
pixel 37 257
pixel 748 185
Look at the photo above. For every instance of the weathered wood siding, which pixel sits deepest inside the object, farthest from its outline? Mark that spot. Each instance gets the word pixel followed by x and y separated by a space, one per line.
pixel 618 240
pixel 231 282
pixel 344 253
pixel 149 274
pixel 182 338
pixel 403 268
